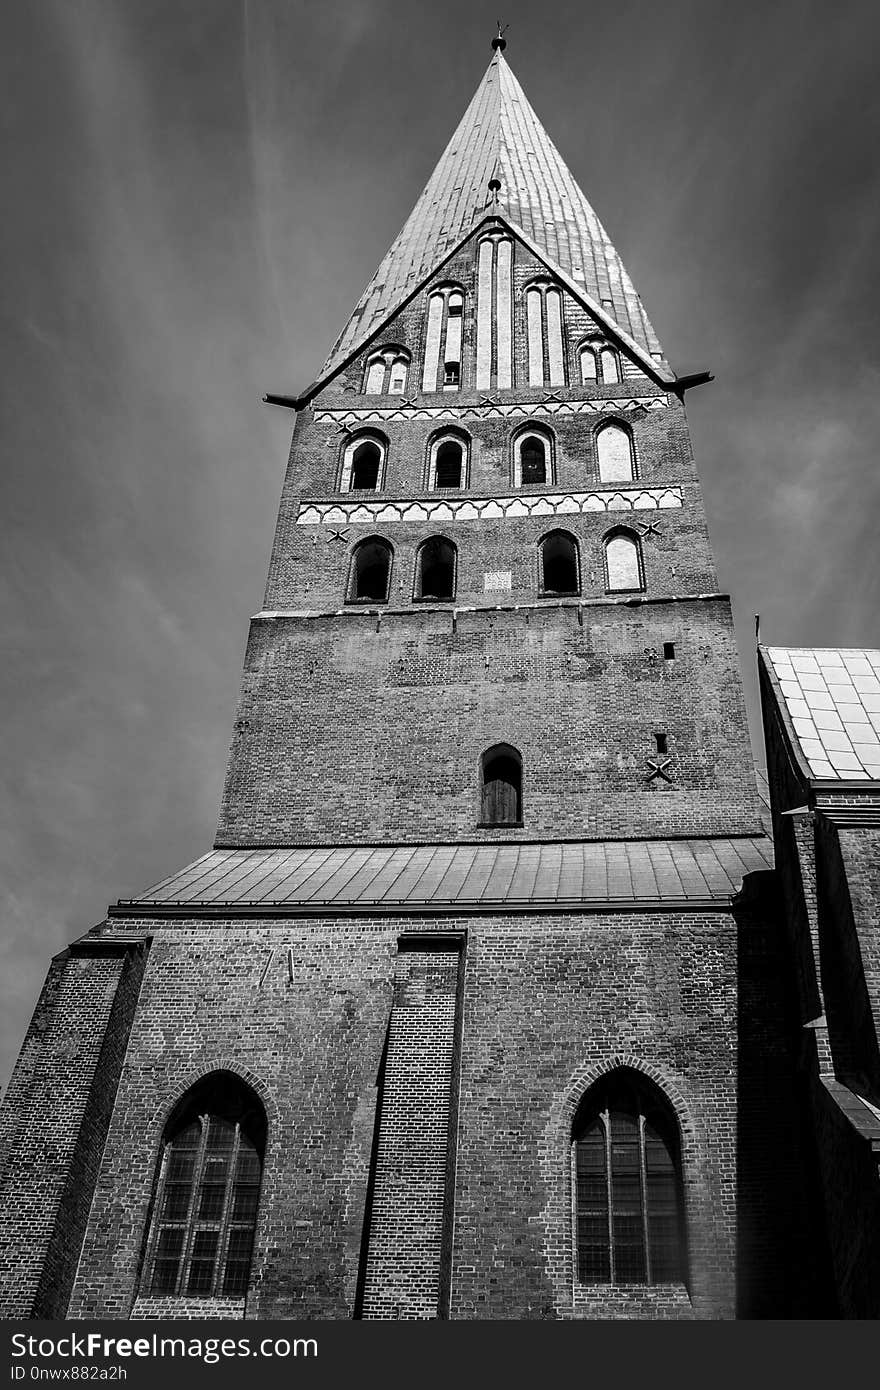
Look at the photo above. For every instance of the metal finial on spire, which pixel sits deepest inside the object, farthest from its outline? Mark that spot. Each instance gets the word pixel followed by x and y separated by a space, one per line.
pixel 499 41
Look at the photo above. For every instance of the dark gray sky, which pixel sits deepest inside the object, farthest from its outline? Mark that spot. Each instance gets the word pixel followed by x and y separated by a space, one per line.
pixel 197 191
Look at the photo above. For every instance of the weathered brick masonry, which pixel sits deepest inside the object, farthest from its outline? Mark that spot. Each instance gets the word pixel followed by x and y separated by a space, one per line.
pixel 549 1003
pixel 482 1006
pixel 343 729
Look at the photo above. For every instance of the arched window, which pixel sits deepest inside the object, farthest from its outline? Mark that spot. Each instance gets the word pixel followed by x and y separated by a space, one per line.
pixel 435 569
pixel 610 366
pixel 397 376
pixel 363 463
pixel 204 1210
pixel 375 377
pixel 544 329
pixel 448 473
pixel 494 365
pixel 614 451
pixel 532 457
pixel 370 574
pixel 589 369
pixel 559 570
pixel 501 786
pixel 447 462
pixel 386 372
pixel 442 362
pixel 627 1166
pixel 623 562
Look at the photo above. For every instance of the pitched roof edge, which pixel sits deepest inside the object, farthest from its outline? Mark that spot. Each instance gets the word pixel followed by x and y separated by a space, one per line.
pixel 665 376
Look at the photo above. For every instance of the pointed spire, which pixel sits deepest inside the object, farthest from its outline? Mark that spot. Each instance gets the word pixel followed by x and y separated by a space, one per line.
pixel 500 159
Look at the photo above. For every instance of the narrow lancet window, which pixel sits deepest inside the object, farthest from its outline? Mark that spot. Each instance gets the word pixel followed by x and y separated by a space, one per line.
pixel 370 574
pixel 546 355
pixel 397 376
pixel 589 370
pixel 610 367
pixel 501 792
pixel 442 366
pixel 436 310
pixel 375 377
pixel 553 307
pixel 535 337
pixel 494 293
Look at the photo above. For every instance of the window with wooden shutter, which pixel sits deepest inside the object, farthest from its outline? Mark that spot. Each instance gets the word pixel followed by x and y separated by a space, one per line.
pixel 501 797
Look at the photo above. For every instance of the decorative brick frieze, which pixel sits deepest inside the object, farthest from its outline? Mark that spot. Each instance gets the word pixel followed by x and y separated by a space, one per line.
pixel 485 410
pixel 489 508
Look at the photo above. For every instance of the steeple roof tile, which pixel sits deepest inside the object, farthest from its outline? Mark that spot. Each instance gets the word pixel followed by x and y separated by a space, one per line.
pixel 500 136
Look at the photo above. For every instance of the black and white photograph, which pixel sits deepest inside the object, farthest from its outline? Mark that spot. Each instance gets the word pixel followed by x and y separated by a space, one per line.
pixel 440 606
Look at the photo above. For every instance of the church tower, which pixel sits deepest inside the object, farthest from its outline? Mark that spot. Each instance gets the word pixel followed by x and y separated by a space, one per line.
pixel 472 1011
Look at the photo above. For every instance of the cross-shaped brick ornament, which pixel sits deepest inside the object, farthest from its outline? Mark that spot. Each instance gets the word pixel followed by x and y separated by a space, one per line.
pixel 338 536
pixel 649 528
pixel 658 768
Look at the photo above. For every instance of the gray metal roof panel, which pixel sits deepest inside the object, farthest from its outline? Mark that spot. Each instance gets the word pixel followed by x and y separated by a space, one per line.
pixel 467 874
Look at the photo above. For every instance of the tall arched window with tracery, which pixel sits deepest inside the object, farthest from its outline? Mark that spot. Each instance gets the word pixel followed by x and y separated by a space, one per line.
pixel 204 1214
pixel 628 1192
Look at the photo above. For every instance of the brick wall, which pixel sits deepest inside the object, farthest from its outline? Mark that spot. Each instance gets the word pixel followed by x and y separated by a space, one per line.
pixel 58 1119
pixel 407 1223
pixel 347 733
pixel 549 1003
